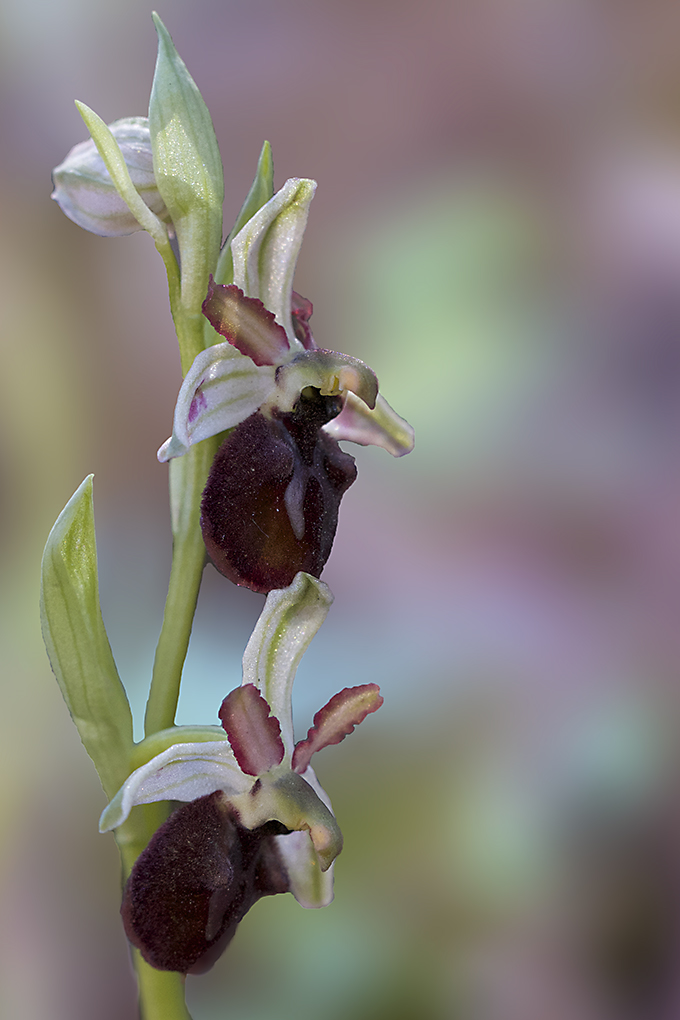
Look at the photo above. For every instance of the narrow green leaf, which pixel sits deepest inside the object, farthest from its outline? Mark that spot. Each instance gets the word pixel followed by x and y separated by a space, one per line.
pixel 188 168
pixel 261 190
pixel 77 644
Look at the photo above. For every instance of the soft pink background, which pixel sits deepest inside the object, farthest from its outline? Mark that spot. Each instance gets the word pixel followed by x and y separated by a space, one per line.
pixel 497 232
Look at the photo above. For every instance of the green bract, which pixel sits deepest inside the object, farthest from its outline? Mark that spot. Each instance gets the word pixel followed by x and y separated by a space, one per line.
pixel 188 168
pixel 77 644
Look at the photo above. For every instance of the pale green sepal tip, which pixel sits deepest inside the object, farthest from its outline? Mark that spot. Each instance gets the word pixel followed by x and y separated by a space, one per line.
pixel 113 158
pixel 380 426
pixel 290 619
pixel 261 190
pixel 77 644
pixel 311 886
pixel 187 166
pixel 158 742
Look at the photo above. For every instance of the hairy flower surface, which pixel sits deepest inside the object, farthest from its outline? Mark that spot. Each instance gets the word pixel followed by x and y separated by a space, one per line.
pixel 256 821
pixel 271 504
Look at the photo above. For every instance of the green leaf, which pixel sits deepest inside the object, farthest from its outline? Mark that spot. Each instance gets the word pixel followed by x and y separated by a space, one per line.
pixel 188 168
pixel 77 644
pixel 261 190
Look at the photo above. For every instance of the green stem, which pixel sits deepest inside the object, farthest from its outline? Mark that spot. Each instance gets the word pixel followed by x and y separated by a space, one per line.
pixel 161 992
pixel 188 476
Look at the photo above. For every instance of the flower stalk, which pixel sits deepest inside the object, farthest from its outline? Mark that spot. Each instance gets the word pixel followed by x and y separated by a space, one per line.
pixel 256 477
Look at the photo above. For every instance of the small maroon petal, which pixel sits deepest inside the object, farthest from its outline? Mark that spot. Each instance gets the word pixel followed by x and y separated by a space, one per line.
pixel 270 507
pixel 301 310
pixel 245 323
pixel 336 720
pixel 195 881
pixel 254 734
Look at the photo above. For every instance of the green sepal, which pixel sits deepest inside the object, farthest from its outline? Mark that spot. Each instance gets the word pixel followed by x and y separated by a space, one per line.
pixel 158 742
pixel 77 644
pixel 261 190
pixel 188 168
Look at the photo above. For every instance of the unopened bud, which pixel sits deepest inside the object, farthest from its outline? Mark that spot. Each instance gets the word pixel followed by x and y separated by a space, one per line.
pixel 85 192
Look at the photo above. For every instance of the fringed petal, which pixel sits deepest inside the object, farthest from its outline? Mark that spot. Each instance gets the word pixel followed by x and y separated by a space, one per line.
pixel 254 734
pixel 246 324
pixel 336 720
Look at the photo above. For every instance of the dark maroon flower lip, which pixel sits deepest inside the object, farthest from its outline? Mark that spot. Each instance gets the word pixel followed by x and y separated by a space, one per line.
pixel 270 506
pixel 195 881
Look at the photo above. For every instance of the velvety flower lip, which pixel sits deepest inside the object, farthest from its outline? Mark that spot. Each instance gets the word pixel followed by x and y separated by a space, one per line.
pixel 257 781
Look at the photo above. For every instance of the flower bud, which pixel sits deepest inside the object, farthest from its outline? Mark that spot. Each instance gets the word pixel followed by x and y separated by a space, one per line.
pixel 85 192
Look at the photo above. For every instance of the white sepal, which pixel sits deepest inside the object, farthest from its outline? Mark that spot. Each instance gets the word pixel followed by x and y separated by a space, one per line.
pixel 381 426
pixel 266 250
pixel 288 622
pixel 183 772
pixel 310 886
pixel 221 389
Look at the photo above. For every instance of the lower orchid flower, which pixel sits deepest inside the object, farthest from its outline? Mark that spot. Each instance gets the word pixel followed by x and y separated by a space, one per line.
pixel 256 821
pixel 271 504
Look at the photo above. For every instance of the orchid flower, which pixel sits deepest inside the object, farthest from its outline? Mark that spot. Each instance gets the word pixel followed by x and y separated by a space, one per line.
pixel 271 504
pixel 256 821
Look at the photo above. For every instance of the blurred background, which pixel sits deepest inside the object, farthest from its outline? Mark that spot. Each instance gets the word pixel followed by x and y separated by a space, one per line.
pixel 497 232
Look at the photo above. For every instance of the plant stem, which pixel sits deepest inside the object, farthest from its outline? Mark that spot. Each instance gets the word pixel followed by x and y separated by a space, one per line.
pixel 161 992
pixel 188 476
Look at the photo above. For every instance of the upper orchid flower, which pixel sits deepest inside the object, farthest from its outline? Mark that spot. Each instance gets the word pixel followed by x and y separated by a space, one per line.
pixel 271 504
pixel 257 821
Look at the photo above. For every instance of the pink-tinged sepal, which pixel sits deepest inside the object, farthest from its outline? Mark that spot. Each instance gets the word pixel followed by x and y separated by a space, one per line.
pixel 246 323
pixel 301 312
pixel 254 734
pixel 197 878
pixel 379 426
pixel 336 720
pixel 221 389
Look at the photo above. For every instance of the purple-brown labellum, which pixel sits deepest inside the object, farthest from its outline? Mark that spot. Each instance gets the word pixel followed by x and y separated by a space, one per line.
pixel 270 507
pixel 195 881
pixel 254 734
